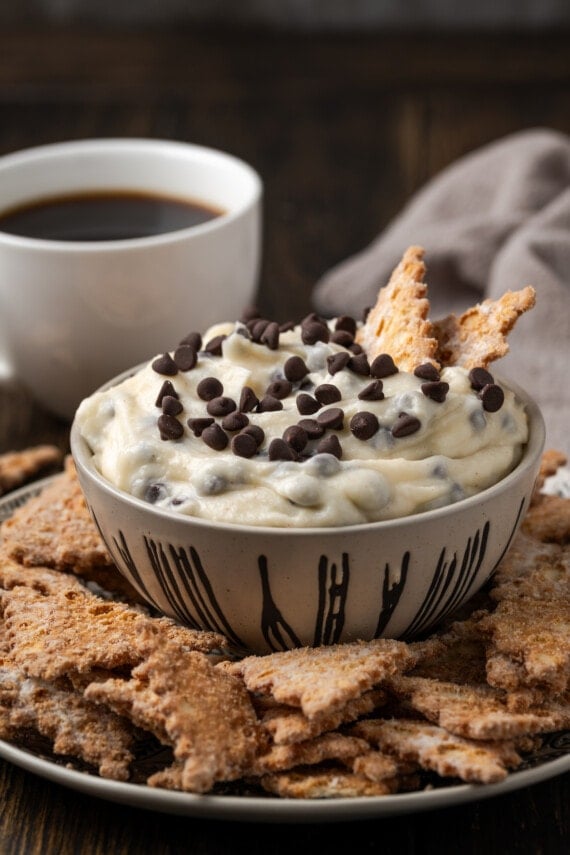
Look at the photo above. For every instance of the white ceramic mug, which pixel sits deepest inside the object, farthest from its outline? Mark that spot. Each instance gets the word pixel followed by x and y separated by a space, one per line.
pixel 73 314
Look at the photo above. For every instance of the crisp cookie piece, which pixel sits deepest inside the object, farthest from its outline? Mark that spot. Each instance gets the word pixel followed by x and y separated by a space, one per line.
pixel 205 714
pixel 434 748
pixel 328 783
pixel 42 579
pixel 328 746
pixel 398 323
pixel 323 679
pixel 479 335
pixel 17 467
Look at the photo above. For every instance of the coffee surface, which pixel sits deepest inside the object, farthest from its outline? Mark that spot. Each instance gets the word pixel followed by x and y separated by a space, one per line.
pixel 105 215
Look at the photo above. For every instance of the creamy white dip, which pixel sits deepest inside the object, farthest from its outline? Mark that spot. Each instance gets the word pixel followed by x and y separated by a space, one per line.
pixel 456 448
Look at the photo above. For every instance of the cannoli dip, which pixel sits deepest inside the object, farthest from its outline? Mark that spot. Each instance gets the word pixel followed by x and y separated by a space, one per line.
pixel 264 425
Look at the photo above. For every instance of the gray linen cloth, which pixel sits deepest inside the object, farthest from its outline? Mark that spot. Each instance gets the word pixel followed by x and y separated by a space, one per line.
pixel 495 220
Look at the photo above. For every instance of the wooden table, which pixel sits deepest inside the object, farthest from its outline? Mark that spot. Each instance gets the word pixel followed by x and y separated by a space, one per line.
pixel 343 129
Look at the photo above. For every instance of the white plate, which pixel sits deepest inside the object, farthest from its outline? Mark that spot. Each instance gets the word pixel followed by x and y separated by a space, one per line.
pixel 551 760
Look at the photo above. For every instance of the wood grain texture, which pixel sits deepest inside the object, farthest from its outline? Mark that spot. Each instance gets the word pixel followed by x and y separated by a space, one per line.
pixel 343 129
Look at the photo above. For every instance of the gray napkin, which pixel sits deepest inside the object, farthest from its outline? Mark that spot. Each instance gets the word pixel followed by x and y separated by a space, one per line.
pixel 496 220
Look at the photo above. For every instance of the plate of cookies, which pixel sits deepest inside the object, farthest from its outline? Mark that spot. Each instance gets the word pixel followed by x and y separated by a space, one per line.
pixel 101 694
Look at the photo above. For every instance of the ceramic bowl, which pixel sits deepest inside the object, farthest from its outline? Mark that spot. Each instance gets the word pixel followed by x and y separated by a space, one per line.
pixel 270 589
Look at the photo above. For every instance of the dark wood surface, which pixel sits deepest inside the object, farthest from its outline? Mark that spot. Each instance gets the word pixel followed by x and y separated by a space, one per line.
pixel 343 129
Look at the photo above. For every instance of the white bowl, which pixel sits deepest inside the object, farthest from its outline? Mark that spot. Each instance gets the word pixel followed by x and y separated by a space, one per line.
pixel 271 589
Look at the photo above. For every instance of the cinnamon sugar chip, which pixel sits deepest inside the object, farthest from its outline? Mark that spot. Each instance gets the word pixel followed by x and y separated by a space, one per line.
pixel 42 579
pixel 325 784
pixel 204 713
pixel 398 323
pixel 479 335
pixel 323 679
pixel 17 467
pixel 549 520
pixel 434 748
pixel 550 462
pixel 328 746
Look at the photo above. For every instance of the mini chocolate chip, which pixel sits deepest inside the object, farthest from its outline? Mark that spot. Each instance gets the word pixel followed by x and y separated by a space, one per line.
pixel 492 397
pixel 314 331
pixel 221 406
pixel 279 388
pixel 194 339
pixel 359 364
pixel 330 445
pixel 337 361
pixel 214 346
pixel 269 404
pixel 215 437
pixel 332 419
pixel 244 445
pixel 235 421
pixel 479 377
pixel 383 366
pixel 171 406
pixel 154 492
pixel 295 369
pixel 287 326
pixel 281 450
pixel 185 357
pixel 311 427
pixel 256 328
pixel 346 323
pixel 427 371
pixel 306 404
pixel 165 365
pixel 372 392
pixel 248 400
pixel 342 337
pixel 296 437
pixel 198 426
pixel 405 424
pixel 327 393
pixel 256 432
pixel 169 427
pixel 209 388
pixel 356 349
pixel 436 390
pixel 166 389
pixel 364 425
pixel 270 336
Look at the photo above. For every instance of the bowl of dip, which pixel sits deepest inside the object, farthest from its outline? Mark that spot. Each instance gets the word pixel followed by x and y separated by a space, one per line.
pixel 273 485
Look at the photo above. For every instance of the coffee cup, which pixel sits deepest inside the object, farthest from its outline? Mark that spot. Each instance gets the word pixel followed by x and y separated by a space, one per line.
pixel 77 307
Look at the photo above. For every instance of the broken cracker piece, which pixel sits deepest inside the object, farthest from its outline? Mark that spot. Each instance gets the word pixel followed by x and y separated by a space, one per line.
pixel 17 467
pixel 327 783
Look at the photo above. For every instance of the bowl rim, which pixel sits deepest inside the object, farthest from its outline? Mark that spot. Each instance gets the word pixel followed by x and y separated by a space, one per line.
pixel 531 454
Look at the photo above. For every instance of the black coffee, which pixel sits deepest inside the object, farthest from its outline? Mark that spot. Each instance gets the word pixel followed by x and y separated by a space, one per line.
pixel 105 215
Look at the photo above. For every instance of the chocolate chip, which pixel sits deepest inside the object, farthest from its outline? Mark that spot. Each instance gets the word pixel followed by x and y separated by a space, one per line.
pixel 287 326
pixel 244 445
pixel 327 393
pixel 359 364
pixel 171 406
pixel 332 419
pixel 372 392
pixel 249 314
pixel 383 366
pixel 256 432
pixel 427 371
pixel 221 406
pixel 155 491
pixel 166 389
pixel 342 337
pixel 295 369
pixel 198 426
pixel 256 328
pixel 314 331
pixel 356 349
pixel 214 346
pixel 436 390
pixel 346 323
pixel 296 437
pixel 215 437
pixel 311 427
pixel 330 445
pixel 270 336
pixel 194 339
pixel 337 361
pixel 492 397
pixel 209 388
pixel 404 425
pixel 279 388
pixel 169 427
pixel 306 404
pixel 248 400
pixel 185 357
pixel 165 365
pixel 364 425
pixel 479 377
pixel 269 404
pixel 281 450
pixel 235 421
